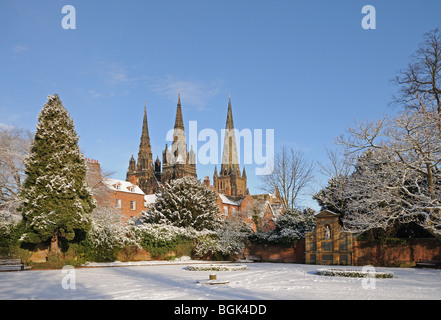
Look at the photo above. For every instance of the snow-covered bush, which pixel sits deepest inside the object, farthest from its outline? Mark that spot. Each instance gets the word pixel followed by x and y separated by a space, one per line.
pixel 229 239
pixel 217 267
pixel 354 273
pixel 186 203
pixel 291 226
pixel 107 236
pixel 160 239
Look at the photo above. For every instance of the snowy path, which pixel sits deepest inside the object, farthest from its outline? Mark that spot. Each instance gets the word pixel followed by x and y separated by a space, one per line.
pixel 260 281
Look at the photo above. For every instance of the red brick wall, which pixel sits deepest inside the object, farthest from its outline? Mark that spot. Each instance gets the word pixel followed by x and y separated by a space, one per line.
pixel 277 253
pixel 397 254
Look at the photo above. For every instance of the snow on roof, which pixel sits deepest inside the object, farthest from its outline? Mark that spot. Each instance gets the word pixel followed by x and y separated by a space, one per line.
pixel 124 186
pixel 231 200
pixel 150 199
pixel 326 211
pixel 227 200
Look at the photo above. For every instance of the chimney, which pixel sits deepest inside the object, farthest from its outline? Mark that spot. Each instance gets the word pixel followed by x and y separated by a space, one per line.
pixel 207 181
pixel 93 174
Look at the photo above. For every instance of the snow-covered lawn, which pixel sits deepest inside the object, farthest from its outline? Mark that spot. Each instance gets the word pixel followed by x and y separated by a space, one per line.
pixel 174 281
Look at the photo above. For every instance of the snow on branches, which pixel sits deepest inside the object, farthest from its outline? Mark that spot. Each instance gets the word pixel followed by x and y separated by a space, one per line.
pixel 185 202
pixel 56 198
pixel 397 175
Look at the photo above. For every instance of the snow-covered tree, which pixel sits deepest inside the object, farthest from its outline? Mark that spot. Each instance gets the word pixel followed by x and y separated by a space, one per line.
pixel 291 226
pixel 337 169
pixel 14 147
pixel 107 235
pixel 185 202
pixel 57 201
pixel 400 180
pixel 422 76
pixel 228 239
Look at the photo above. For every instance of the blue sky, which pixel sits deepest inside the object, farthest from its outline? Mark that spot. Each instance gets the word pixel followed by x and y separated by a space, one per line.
pixel 306 69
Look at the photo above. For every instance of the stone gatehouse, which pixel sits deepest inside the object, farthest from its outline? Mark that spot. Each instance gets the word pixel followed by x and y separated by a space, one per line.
pixel 327 243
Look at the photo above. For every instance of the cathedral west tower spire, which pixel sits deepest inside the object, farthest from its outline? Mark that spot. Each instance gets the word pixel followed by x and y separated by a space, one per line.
pixel 145 157
pixel 143 172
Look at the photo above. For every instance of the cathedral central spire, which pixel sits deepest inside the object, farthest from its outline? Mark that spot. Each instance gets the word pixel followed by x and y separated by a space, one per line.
pixel 177 162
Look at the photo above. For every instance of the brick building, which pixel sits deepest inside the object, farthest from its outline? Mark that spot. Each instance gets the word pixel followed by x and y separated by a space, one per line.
pixel 126 197
pixel 123 196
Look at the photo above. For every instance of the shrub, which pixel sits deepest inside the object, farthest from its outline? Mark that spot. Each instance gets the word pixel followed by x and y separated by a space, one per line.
pixel 354 273
pixel 217 267
pixel 290 227
pixel 160 239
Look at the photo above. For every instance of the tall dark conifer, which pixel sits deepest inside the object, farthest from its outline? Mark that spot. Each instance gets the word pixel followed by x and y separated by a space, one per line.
pixel 57 201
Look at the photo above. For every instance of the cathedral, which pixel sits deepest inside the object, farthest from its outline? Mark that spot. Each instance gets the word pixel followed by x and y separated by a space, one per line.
pixel 229 183
pixel 177 161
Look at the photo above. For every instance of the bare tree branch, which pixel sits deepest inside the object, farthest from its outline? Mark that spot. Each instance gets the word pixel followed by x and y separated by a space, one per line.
pixel 292 174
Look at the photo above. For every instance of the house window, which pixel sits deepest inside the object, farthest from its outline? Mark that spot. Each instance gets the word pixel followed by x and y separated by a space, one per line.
pixel 118 187
pixel 118 203
pixel 132 189
pixel 225 210
pixel 132 205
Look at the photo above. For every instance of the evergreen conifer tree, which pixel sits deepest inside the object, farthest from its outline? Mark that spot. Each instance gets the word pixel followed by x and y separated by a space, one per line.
pixel 57 201
pixel 186 202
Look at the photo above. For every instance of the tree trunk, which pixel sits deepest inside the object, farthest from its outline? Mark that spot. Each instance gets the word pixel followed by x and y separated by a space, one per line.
pixel 55 249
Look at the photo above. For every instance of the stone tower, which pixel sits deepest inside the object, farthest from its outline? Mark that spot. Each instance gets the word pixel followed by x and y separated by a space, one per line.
pixel 229 181
pixel 176 161
pixel 144 172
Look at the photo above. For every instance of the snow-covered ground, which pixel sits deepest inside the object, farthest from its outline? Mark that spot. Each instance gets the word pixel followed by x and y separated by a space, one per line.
pixel 174 281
